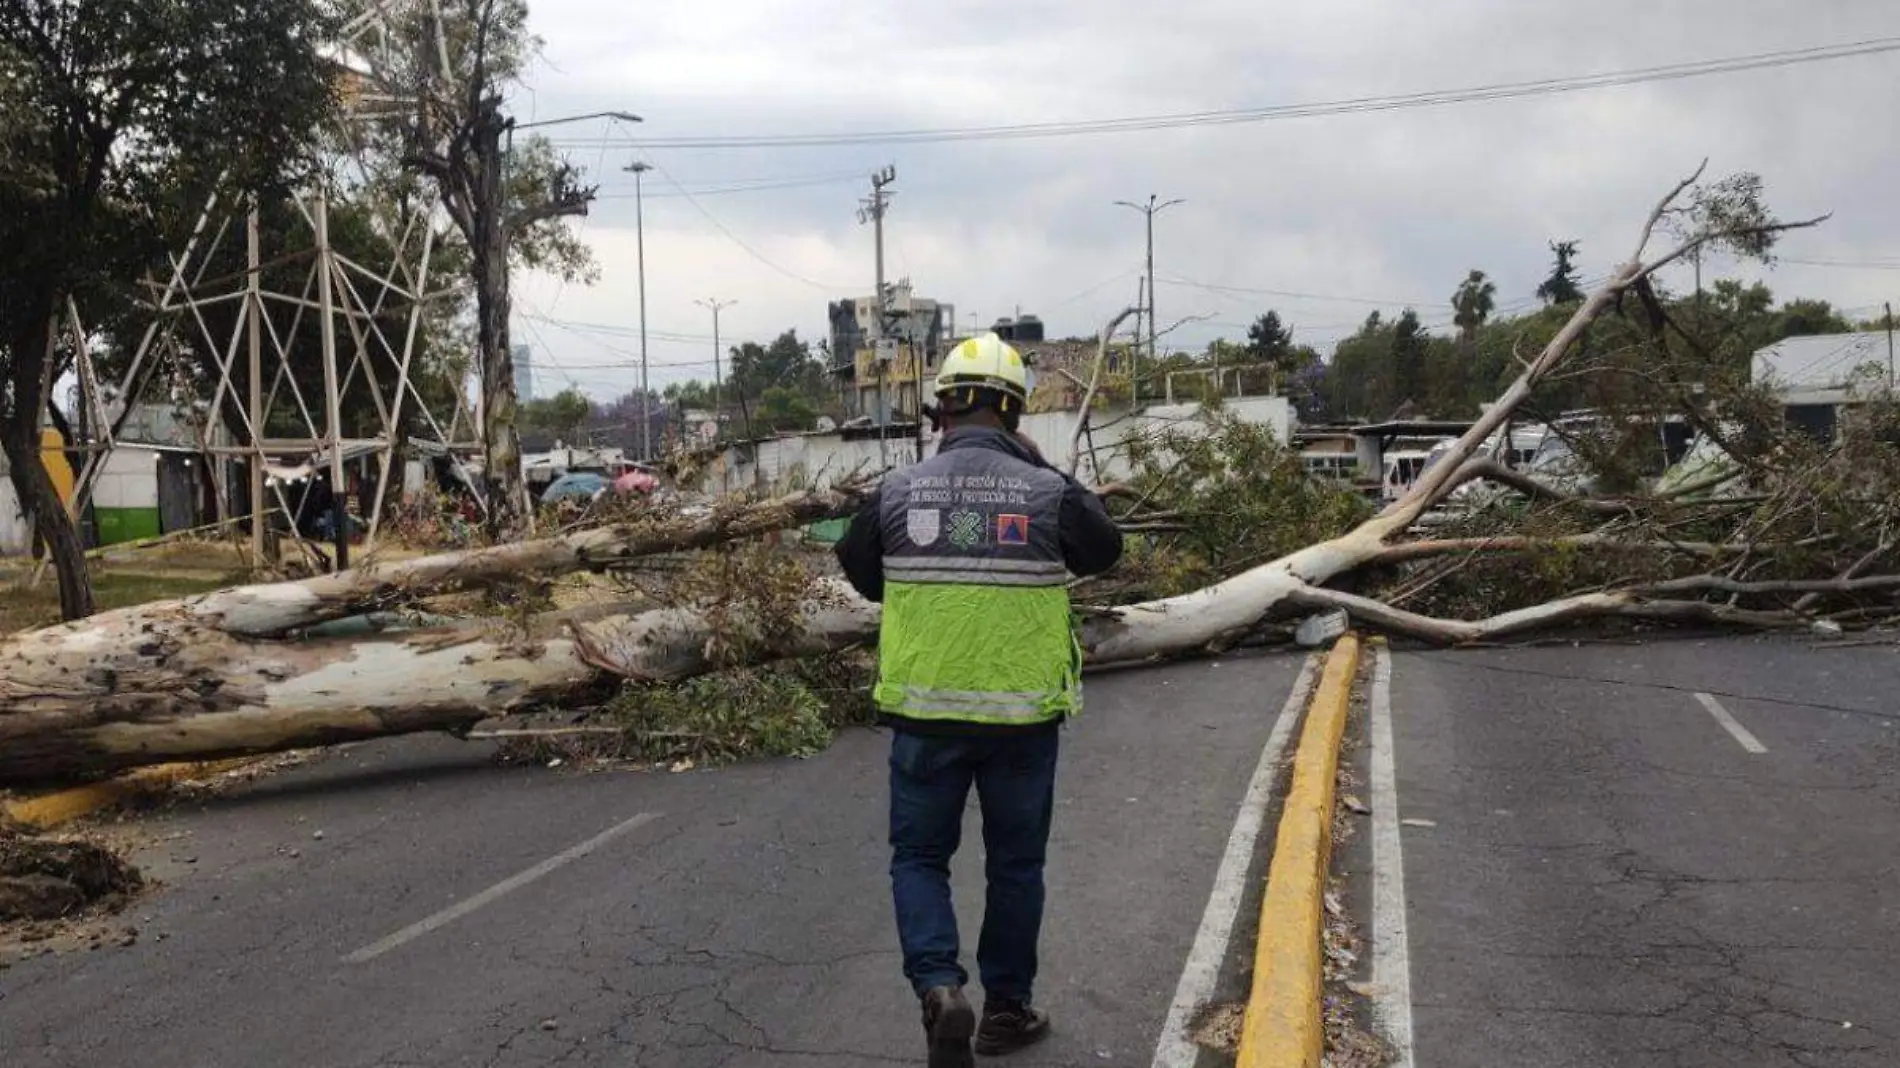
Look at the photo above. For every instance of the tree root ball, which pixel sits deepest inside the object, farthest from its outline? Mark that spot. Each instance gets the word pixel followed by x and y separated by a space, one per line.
pixel 48 879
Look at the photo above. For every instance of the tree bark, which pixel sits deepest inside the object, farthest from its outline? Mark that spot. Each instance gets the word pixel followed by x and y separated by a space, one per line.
pixel 20 439
pixel 507 493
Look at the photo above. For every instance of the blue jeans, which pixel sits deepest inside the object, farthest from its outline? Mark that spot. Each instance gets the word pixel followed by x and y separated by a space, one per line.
pixel 1015 780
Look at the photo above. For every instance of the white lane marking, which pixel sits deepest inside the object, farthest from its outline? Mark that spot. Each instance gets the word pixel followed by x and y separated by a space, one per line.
pixel 1176 1048
pixel 1391 950
pixel 1729 723
pixel 506 886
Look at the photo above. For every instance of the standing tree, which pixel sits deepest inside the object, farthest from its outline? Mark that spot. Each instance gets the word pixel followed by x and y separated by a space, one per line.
pixel 560 415
pixel 1411 347
pixel 504 203
pixel 118 120
pixel 1472 304
pixel 1562 285
pixel 1270 345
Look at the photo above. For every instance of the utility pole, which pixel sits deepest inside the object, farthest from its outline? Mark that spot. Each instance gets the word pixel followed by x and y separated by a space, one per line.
pixel 253 312
pixel 715 304
pixel 640 242
pixel 1889 346
pixel 872 211
pixel 1150 209
pixel 332 405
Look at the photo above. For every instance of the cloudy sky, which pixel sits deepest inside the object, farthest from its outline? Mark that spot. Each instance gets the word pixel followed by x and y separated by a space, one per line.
pixel 1350 212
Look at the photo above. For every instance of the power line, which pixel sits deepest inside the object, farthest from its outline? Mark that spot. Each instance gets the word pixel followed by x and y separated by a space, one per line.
pixel 1289 294
pixel 735 239
pixel 744 186
pixel 1356 105
pixel 611 329
pixel 1862 265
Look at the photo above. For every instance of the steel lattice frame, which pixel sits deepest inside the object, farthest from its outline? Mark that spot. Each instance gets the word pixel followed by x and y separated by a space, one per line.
pixel 346 297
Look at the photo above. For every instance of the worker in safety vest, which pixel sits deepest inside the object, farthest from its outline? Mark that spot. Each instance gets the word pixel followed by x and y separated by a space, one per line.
pixel 969 552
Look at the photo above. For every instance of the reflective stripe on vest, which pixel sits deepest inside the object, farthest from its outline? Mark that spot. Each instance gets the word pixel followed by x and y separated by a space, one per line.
pixel 986 571
pixel 922 702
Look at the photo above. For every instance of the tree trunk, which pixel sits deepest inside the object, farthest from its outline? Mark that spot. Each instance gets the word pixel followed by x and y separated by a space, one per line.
pixel 211 673
pixel 501 439
pixel 20 439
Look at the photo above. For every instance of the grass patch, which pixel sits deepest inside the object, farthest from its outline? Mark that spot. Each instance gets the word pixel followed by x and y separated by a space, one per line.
pixel 23 608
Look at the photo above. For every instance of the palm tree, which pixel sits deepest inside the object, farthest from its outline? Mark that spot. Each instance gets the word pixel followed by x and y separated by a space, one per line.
pixel 1473 303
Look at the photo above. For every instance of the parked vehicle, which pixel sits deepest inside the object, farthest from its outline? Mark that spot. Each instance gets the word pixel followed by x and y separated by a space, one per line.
pixel 580 486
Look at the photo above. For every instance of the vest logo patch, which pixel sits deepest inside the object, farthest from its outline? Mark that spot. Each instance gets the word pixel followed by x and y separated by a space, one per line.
pixel 1012 529
pixel 967 529
pixel 922 525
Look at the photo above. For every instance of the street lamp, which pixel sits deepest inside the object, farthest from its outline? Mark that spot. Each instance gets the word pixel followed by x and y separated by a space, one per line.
pixel 640 242
pixel 1150 209
pixel 623 116
pixel 716 304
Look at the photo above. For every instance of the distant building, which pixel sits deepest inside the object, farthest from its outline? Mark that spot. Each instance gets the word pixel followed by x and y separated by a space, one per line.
pixel 1815 377
pixel 918 332
pixel 524 372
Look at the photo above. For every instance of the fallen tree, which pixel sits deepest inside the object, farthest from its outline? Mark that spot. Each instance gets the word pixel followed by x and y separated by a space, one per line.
pixel 221 674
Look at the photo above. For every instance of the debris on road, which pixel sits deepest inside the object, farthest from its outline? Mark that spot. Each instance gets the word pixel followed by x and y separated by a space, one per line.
pixel 58 878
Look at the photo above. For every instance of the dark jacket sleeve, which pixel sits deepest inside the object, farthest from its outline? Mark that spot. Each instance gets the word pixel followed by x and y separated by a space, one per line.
pixel 1091 543
pixel 861 552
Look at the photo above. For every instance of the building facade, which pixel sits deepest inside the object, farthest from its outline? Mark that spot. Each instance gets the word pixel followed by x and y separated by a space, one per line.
pixel 918 331
pixel 524 372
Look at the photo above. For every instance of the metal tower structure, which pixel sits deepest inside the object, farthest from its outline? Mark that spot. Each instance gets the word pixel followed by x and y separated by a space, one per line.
pixel 381 77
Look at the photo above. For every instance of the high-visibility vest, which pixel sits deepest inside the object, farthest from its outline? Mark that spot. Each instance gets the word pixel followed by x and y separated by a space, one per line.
pixel 976 624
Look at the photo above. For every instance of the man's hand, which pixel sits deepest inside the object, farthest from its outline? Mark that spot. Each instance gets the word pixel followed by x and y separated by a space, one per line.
pixel 1115 489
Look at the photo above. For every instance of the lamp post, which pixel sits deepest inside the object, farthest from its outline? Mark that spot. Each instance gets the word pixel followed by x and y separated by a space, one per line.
pixel 716 304
pixel 1150 209
pixel 623 116
pixel 640 242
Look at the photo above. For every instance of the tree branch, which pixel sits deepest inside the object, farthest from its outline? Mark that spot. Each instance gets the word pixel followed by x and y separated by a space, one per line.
pixel 1095 382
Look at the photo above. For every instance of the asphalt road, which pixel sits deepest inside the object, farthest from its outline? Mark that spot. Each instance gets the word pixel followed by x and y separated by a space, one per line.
pixel 406 903
pixel 1601 867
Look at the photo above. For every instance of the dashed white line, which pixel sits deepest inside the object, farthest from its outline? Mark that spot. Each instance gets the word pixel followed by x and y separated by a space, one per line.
pixel 1391 951
pixel 1730 724
pixel 506 886
pixel 1176 1048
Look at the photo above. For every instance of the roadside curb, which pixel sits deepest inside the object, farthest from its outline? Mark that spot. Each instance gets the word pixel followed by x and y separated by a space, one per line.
pixel 63 806
pixel 1283 1027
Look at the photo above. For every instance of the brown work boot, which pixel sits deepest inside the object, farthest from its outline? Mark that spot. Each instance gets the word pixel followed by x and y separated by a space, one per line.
pixel 1009 1026
pixel 949 1021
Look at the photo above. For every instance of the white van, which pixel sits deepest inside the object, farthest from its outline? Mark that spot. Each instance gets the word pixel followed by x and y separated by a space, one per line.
pixel 1402 468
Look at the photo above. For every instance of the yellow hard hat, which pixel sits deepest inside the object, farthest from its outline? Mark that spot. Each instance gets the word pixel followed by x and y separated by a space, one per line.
pixel 984 362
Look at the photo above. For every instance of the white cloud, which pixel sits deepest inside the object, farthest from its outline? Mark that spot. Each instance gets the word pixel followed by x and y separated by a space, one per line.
pixel 1389 205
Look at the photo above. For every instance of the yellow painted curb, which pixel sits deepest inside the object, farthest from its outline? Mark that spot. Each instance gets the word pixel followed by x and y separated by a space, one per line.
pixel 1283 1026
pixel 61 806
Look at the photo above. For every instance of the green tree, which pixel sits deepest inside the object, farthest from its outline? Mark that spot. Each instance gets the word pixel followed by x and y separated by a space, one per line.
pixel 1562 286
pixel 1270 345
pixel 782 409
pixel 786 362
pixel 1472 304
pixel 1410 351
pixel 1268 340
pixel 1805 318
pixel 507 205
pixel 560 415
pixel 691 393
pixel 1359 381
pixel 118 118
